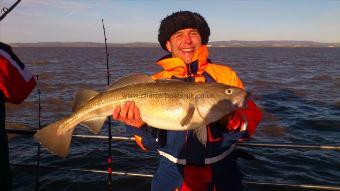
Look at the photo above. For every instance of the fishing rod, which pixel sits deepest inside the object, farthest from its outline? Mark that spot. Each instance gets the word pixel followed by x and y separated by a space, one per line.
pixel 248 144
pixel 109 158
pixel 5 10
pixel 39 146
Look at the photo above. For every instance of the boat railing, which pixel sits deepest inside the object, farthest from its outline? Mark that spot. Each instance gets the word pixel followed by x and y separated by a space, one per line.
pixel 133 174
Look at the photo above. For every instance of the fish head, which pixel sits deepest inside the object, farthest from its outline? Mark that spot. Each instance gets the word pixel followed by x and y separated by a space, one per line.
pixel 235 96
pixel 221 100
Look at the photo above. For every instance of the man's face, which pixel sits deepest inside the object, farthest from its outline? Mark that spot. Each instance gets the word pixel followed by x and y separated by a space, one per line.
pixel 184 43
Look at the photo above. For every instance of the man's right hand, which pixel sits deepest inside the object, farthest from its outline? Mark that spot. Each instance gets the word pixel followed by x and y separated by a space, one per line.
pixel 129 115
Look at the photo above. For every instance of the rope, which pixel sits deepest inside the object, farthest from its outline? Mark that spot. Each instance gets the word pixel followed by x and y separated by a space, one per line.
pixel 295 186
pixel 290 146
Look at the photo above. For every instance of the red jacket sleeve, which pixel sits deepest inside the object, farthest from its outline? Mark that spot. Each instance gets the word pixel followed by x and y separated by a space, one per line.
pixel 252 115
pixel 16 81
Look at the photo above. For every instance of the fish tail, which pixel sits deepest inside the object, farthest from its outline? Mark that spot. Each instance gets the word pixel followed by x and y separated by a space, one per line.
pixel 56 137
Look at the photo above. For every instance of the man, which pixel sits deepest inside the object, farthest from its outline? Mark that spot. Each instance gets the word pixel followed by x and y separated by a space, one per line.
pixel 16 82
pixel 185 164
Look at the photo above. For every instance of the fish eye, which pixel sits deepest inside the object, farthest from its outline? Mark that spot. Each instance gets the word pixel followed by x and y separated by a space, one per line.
pixel 228 91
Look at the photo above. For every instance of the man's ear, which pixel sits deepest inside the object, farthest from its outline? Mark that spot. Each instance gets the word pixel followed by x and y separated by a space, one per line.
pixel 168 46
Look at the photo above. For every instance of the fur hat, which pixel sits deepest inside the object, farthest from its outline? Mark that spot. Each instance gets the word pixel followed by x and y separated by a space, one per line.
pixel 181 20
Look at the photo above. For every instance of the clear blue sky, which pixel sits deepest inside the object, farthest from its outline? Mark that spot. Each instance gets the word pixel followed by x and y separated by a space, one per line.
pixel 138 21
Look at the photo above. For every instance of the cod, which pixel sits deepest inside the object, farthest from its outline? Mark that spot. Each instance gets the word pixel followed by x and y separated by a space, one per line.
pixel 163 104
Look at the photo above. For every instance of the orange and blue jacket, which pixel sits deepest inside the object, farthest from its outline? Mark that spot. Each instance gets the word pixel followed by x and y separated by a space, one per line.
pixel 183 144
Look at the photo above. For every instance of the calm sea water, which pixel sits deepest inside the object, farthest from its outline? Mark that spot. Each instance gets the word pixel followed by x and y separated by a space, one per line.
pixel 297 88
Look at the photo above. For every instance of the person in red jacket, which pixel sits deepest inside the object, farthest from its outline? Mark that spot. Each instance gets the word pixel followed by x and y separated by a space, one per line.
pixel 185 164
pixel 16 82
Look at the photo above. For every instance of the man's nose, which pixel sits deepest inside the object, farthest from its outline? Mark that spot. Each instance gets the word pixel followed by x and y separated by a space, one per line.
pixel 187 38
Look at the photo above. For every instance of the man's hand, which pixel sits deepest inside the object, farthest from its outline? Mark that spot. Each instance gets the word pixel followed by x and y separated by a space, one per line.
pixel 129 115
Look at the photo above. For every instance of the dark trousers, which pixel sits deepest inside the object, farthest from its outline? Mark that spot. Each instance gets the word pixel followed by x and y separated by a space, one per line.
pixel 5 172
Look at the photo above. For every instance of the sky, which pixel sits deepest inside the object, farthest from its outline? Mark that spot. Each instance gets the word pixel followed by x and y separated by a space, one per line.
pixel 138 20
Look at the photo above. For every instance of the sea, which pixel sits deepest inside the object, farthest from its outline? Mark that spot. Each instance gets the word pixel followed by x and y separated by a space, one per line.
pixel 298 90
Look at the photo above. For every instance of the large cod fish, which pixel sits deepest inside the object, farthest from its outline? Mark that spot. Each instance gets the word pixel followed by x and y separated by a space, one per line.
pixel 163 104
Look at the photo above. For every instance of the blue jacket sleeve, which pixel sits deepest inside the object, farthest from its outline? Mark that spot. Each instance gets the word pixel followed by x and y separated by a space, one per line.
pixel 145 136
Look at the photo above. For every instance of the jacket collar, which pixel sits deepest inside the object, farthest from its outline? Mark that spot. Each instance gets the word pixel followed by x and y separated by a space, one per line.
pixel 178 68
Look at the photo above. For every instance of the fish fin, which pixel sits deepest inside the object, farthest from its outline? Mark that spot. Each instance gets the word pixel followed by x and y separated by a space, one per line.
pixel 95 124
pixel 82 96
pixel 56 141
pixel 190 113
pixel 130 80
pixel 209 111
pixel 201 134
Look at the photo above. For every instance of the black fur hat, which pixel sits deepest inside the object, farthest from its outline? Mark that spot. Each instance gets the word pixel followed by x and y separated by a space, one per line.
pixel 181 20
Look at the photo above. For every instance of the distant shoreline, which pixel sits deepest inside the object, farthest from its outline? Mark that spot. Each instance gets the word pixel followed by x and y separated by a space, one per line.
pixel 218 44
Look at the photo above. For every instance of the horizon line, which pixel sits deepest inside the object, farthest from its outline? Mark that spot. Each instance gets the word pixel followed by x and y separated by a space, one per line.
pixel 158 42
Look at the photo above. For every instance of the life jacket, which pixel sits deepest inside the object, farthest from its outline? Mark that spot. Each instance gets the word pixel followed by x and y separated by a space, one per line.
pixel 201 70
pixel 178 145
pixel 16 81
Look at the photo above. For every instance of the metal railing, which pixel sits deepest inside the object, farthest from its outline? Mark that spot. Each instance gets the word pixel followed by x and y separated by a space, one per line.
pixel 250 183
pixel 248 144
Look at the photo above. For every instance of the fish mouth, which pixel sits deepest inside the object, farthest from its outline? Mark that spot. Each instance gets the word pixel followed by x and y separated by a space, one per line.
pixel 242 102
